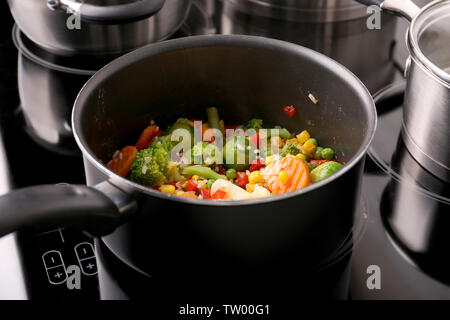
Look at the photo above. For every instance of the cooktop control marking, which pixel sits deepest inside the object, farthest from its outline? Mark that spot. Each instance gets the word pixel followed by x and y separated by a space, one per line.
pixel 86 258
pixel 54 267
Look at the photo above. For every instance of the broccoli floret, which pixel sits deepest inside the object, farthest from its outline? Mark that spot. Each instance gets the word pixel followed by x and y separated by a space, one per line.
pixel 289 148
pixel 165 142
pixel 254 124
pixel 153 166
pixel 210 153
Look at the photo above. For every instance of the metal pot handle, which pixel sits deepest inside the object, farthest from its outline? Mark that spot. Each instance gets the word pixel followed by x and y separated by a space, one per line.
pixel 98 210
pixel 116 14
pixel 405 8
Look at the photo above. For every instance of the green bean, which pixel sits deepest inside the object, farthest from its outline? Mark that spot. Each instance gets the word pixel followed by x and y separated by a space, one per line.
pixel 204 172
pixel 325 170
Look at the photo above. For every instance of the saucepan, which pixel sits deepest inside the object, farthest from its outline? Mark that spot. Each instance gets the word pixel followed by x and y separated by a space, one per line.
pixel 426 129
pixel 334 28
pixel 167 236
pixel 97 27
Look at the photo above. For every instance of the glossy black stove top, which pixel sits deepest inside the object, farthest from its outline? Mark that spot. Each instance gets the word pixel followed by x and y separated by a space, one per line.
pixel 35 264
pixel 408 208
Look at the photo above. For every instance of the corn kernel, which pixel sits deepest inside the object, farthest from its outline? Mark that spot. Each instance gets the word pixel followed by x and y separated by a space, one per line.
pixel 255 177
pixel 303 137
pixel 195 177
pixel 294 140
pixel 301 156
pixel 250 187
pixel 269 160
pixel 309 148
pixel 283 177
pixel 167 188
pixel 201 184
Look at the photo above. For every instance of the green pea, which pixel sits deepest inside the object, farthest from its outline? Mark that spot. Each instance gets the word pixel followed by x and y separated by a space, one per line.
pixel 210 183
pixel 325 170
pixel 314 141
pixel 231 173
pixel 318 153
pixel 327 153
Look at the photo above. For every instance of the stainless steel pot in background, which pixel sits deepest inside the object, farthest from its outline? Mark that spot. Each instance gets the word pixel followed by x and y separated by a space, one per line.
pixel 107 26
pixel 426 120
pixel 335 28
pixel 48 84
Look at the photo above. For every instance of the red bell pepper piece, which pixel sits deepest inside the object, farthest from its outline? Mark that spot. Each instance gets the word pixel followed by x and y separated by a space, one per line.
pixel 241 179
pixel 256 165
pixel 205 193
pixel 290 111
pixel 254 139
pixel 191 185
pixel 180 184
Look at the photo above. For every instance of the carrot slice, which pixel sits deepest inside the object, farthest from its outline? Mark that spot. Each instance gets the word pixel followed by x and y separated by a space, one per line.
pixel 122 161
pixel 297 171
pixel 189 195
pixel 146 137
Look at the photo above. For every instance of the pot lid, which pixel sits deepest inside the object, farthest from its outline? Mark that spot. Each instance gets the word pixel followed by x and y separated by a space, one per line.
pixel 303 10
pixel 430 38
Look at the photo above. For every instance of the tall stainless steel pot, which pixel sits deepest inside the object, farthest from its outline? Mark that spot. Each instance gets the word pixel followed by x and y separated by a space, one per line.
pixel 426 120
pixel 180 239
pixel 106 26
pixel 337 29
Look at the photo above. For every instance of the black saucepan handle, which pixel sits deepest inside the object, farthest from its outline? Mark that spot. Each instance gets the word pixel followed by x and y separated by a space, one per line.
pixel 115 14
pixel 52 206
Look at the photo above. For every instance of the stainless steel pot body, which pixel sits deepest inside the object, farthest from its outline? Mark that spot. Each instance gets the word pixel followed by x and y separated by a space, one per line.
pixel 49 29
pixel 336 29
pixel 426 129
pixel 208 243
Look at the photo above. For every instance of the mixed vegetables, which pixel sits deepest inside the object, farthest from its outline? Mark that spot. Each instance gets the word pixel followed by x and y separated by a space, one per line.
pixel 215 161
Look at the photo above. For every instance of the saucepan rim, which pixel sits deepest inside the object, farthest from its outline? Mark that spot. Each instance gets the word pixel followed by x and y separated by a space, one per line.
pixel 218 41
pixel 413 43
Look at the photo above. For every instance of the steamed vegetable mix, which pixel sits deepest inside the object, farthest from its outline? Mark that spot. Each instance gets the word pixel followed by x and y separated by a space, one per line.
pixel 250 161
